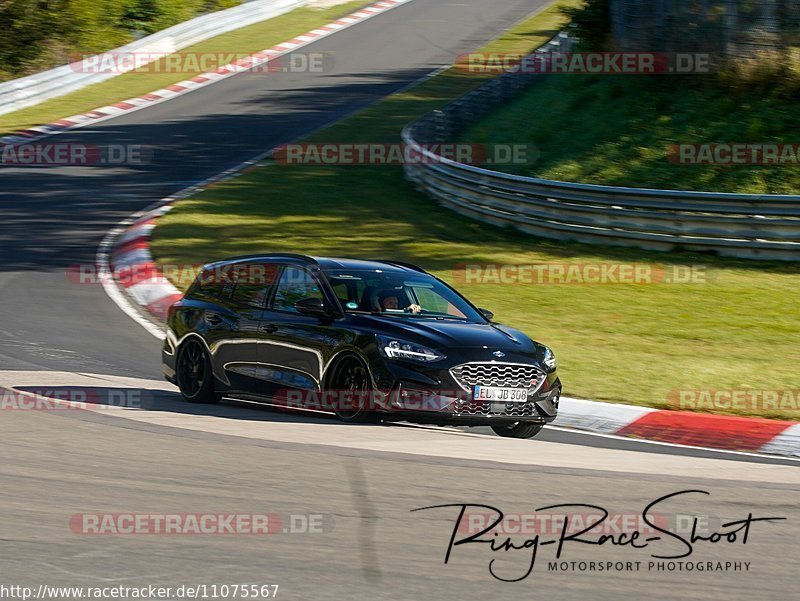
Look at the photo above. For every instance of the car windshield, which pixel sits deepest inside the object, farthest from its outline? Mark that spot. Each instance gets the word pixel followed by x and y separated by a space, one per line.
pixel 398 293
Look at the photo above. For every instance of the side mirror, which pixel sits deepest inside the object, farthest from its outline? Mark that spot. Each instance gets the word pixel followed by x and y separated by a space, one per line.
pixel 313 307
pixel 486 313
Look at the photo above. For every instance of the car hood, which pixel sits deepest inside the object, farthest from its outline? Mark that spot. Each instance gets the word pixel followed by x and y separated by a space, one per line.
pixel 445 333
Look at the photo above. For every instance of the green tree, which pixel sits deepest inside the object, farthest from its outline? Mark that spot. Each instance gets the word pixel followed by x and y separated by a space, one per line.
pixel 40 34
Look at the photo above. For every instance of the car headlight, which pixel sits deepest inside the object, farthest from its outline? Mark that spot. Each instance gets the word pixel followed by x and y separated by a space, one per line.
pixel 549 358
pixel 394 348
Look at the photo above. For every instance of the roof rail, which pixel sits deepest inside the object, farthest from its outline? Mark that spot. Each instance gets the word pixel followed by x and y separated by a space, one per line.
pixel 306 258
pixel 404 264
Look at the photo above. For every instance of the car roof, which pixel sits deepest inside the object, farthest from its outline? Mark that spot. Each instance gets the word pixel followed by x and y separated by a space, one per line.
pixel 324 262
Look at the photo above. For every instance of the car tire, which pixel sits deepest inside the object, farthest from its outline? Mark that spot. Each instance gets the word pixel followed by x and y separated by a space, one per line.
pixel 351 375
pixel 194 375
pixel 518 429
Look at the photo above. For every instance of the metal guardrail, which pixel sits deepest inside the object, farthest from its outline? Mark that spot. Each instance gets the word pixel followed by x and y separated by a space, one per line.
pixel 752 226
pixel 33 89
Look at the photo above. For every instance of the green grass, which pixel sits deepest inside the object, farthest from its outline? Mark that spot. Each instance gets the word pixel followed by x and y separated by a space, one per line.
pixel 627 343
pixel 617 130
pixel 136 83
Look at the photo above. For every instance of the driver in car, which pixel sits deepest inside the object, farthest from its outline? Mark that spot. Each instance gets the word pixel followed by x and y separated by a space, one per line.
pixel 390 302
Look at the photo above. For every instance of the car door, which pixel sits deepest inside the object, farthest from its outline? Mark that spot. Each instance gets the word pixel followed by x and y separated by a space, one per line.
pixel 237 351
pixel 294 346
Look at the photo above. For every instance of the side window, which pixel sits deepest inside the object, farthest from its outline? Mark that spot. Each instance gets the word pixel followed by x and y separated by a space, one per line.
pixel 214 284
pixel 348 291
pixel 295 284
pixel 341 292
pixel 207 285
pixel 252 283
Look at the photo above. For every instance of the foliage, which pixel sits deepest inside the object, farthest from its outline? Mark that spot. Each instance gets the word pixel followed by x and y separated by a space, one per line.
pixel 591 23
pixel 40 34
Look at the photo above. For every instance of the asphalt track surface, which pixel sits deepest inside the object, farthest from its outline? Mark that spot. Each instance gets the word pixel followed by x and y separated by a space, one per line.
pixel 173 457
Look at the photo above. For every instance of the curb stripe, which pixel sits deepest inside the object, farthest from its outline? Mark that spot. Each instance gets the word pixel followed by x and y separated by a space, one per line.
pixel 160 308
pixel 257 58
pixel 785 443
pixel 126 252
pixel 702 429
pixel 137 274
pixel 607 418
pixel 151 290
pixel 130 259
pixel 135 243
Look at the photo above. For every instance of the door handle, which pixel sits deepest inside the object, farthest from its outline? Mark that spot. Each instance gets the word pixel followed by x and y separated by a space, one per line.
pixel 269 328
pixel 213 319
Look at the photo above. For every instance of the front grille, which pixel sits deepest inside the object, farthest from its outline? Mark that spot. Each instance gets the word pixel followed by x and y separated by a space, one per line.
pixel 509 375
pixel 486 408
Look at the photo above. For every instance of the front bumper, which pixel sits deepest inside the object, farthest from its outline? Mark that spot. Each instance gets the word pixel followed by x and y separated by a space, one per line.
pixel 432 407
pixel 431 394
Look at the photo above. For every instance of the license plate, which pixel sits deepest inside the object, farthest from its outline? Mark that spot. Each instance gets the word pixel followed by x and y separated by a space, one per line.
pixel 497 393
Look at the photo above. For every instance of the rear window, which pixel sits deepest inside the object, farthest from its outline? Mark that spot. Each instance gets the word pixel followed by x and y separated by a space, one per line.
pixel 296 284
pixel 210 284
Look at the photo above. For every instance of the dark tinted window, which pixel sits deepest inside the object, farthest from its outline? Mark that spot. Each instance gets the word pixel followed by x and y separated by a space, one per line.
pixel 295 284
pixel 210 284
pixel 252 283
pixel 348 291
